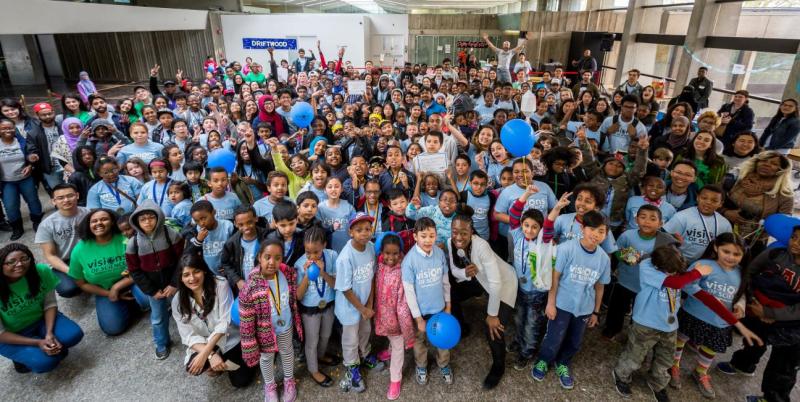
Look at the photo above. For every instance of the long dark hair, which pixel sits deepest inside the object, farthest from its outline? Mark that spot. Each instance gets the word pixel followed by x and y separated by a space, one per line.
pixel 731 238
pixel 32 275
pixel 779 115
pixel 85 230
pixel 15 104
pixel 81 106
pixel 710 158
pixel 728 151
pixel 196 261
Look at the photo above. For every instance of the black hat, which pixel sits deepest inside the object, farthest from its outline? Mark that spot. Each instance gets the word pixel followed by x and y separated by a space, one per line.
pixel 169 82
pixel 163 111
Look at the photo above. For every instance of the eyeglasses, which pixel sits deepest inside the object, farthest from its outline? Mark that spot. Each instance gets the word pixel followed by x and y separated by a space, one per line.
pixel 66 197
pixel 11 263
pixel 108 172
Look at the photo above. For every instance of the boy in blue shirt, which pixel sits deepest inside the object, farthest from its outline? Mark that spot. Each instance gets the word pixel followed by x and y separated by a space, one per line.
pixel 481 201
pixel 698 226
pixel 224 202
pixel 575 297
pixel 209 236
pixel 427 288
pixel 653 190
pixel 193 171
pixel 278 186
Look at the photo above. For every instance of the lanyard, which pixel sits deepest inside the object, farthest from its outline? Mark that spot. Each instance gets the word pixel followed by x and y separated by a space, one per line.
pixel 375 220
pixel 705 229
pixel 160 201
pixel 671 294
pixel 116 193
pixel 276 300
pixel 524 257
pixel 288 253
pixel 321 287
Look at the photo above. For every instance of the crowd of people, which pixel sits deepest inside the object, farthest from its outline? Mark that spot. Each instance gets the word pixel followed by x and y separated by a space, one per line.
pixel 398 203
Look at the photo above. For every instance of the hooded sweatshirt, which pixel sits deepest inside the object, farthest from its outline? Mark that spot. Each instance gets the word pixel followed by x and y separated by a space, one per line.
pixel 152 258
pixel 84 176
pixel 102 145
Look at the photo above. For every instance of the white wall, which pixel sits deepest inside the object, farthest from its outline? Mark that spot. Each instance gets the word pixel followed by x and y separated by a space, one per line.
pixel 45 16
pixel 355 31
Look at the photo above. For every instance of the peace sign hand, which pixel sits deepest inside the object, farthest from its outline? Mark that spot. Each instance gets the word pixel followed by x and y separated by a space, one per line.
pixel 154 70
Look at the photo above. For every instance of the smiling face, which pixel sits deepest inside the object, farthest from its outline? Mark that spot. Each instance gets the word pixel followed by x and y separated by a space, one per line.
pixel 743 145
pixel 703 141
pixel 192 278
pixel 333 188
pixel 100 224
pixel 584 202
pixel 729 255
pixel 447 203
pixel 594 236
pixel 16 265
pixel 654 188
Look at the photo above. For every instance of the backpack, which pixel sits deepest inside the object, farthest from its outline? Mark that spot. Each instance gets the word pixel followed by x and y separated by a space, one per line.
pixel 615 120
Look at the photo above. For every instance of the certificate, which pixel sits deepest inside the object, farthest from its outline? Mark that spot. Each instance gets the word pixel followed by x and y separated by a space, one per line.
pixel 283 74
pixel 432 163
pixel 356 87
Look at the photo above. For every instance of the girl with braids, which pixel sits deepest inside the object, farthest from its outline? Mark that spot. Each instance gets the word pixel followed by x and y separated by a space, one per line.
pixel 33 334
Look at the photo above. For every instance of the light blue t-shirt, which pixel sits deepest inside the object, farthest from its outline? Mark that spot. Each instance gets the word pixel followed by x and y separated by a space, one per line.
pixel 428 201
pixel 214 242
pixel 320 193
pixel 486 113
pixel 264 207
pixel 634 203
pixel 524 261
pixel 225 206
pixel 631 242
pixel 443 223
pixel 285 316
pixel 543 201
pixel 574 126
pixel 580 270
pixel 181 213
pixel 315 288
pixel 619 140
pixel 354 271
pixel 566 228
pixel 425 273
pixel 335 218
pixel 250 248
pixel 696 230
pixel 493 170
pixel 178 174
pixel 157 192
pixel 104 195
pixel 719 283
pixel 652 306
pixel 480 220
pixel 145 152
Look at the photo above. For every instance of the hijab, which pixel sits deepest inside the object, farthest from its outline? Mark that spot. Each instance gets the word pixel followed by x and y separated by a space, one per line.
pixel 71 141
pixel 85 83
pixel 273 118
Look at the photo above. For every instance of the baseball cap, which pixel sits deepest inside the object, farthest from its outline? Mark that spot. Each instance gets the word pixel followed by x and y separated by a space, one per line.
pixel 361 216
pixel 41 106
pixel 555 81
pixel 169 82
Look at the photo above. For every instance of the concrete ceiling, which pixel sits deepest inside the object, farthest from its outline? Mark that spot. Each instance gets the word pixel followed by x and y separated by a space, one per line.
pixel 384 6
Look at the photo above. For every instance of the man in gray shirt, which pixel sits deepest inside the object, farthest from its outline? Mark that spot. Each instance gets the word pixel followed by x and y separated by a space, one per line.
pixel 57 235
pixel 504 56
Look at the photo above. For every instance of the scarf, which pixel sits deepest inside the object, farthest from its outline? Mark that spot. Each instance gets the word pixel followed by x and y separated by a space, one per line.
pixel 754 185
pixel 273 118
pixel 86 84
pixel 677 141
pixel 72 142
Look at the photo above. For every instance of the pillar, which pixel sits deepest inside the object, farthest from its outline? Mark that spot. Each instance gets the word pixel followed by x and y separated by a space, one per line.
pixel 22 59
pixel 792 89
pixel 628 57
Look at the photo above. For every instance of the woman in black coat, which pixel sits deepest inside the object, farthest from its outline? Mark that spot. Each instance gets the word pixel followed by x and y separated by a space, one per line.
pixel 782 131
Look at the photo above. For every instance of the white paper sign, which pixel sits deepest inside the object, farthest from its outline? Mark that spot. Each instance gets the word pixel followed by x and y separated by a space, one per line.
pixel 432 163
pixel 283 74
pixel 737 69
pixel 528 105
pixel 447 48
pixel 356 87
pixel 438 48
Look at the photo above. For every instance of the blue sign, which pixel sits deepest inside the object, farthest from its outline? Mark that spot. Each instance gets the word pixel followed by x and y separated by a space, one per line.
pixel 265 43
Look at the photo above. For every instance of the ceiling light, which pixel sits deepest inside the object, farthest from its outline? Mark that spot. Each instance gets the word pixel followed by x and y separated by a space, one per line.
pixel 367 5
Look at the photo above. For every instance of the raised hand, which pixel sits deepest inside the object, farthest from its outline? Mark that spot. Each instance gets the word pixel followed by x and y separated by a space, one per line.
pixel 154 70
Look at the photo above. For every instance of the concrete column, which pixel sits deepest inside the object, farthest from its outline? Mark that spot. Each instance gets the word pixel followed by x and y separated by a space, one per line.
pixel 792 89
pixel 628 57
pixel 22 60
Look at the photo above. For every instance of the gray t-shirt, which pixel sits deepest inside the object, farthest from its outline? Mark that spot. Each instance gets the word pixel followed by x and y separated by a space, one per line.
pixel 12 160
pixel 504 58
pixel 52 136
pixel 61 230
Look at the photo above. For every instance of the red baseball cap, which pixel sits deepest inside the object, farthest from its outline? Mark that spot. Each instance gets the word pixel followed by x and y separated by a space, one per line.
pixel 41 106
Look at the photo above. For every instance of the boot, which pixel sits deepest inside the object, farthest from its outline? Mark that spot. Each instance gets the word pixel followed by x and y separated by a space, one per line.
pixel 36 220
pixel 4 225
pixel 16 229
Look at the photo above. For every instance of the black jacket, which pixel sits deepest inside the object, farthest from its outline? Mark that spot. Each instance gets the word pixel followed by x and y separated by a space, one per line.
pixel 84 177
pixel 232 256
pixel 37 144
pixel 297 250
pixel 783 133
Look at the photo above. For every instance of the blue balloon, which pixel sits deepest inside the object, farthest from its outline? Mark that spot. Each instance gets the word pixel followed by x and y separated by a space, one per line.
pixel 235 311
pixel 313 271
pixel 443 331
pixel 518 137
pixel 222 158
pixel 776 244
pixel 780 226
pixel 302 113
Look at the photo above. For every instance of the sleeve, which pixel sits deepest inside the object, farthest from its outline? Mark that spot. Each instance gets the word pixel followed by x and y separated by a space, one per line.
pixel 411 211
pixel 224 303
pixel 280 165
pixel 93 198
pixel 549 231
pixel 605 277
pixel 562 258
pixel 189 336
pixel 228 264
pixel 515 214
pixel 50 300
pixel 675 225
pixel 247 329
pixel 502 204
pixel 344 271
pixel 788 313
pixel 488 263
pixel 682 280
pixel 712 303
pixel 154 86
pixel 445 282
pixel 648 276
pixel 75 266
pixel 408 287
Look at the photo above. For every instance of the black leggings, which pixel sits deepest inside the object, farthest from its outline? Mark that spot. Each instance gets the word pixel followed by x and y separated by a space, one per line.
pixel 240 377
pixel 619 304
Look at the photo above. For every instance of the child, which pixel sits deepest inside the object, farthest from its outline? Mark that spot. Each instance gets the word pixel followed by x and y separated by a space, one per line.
pixel 433 146
pixel 653 190
pixel 430 182
pixel 570 226
pixel 427 288
pixel 298 174
pixel 124 225
pixel 284 217
pixel 152 255
pixel 355 268
pixel 268 313
pixel 319 175
pixel 277 184
pixel 209 236
pixel 575 297
pixel 142 147
pixel 395 219
pixel 240 252
pixel 194 177
pixel 481 201
pixel 180 195
pixel 136 168
pixel 307 208
pixel 698 226
pixel 460 181
pixel 156 189
pixel 662 159
pixel 396 176
pixel 335 212
pixel 506 178
pixel 224 201
pixel 442 214
pixel 634 245
pixel 316 300
pixel 392 316
pixel 174 156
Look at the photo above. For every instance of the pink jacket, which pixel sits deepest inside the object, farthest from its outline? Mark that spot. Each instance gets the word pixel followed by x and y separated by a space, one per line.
pixel 392 316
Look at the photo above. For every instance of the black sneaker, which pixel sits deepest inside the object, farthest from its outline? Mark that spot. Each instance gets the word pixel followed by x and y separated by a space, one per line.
pixel 660 396
pixel 623 388
pixel 21 368
pixel 162 354
pixel 520 363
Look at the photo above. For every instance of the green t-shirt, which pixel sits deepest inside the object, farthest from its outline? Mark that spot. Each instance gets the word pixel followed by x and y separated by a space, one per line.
pixel 22 310
pixel 259 78
pixel 98 264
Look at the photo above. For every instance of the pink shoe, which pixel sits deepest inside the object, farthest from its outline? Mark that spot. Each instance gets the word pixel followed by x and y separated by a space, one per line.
pixel 394 390
pixel 271 393
pixel 289 390
pixel 385 355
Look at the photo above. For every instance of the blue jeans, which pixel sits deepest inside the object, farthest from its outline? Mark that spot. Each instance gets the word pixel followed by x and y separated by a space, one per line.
pixel 563 338
pixel 114 317
pixel 530 320
pixel 503 75
pixel 159 320
pixel 53 179
pixel 66 288
pixel 65 330
pixel 11 193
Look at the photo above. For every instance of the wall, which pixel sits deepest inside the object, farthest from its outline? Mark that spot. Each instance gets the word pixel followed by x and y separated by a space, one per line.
pixel 20 67
pixel 221 5
pixel 50 53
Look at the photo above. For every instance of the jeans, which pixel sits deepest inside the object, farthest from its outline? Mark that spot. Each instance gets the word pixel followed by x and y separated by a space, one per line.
pixel 53 179
pixel 65 330
pixel 159 320
pixel 503 75
pixel 530 320
pixel 66 288
pixel 114 317
pixel 563 338
pixel 11 193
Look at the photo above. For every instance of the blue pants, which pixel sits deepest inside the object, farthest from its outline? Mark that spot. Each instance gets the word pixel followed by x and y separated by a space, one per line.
pixel 66 288
pixel 159 320
pixel 65 330
pixel 11 193
pixel 114 317
pixel 530 320
pixel 563 338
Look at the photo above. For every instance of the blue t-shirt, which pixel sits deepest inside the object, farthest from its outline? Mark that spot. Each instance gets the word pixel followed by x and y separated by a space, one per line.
pixel 259 176
pixel 157 192
pixel 335 218
pixel 317 290
pixel 250 248
pixel 354 271
pixel 580 270
pixel 486 113
pixel 652 306
pixel 225 206
pixel 214 242
pixel 319 192
pixel 696 230
pixel 425 273
pixel 493 170
pixel 634 203
pixel 524 261
pixel 280 287
pixel 428 201
pixel 146 152
pixel 574 126
pixel 178 174
pixel 264 207
pixel 566 228
pixel 480 220
pixel 104 195
pixel 543 201
pixel 181 213
pixel 629 243
pixel 619 140
pixel 721 284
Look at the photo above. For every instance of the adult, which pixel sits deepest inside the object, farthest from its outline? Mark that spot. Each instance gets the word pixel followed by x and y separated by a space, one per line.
pixel 585 84
pixel 85 86
pixel 114 191
pixel 57 236
pixel 681 187
pixel 478 270
pixel 662 127
pixel 782 130
pixel 585 63
pixel 504 56
pixel 523 65
pixel 303 63
pixel 702 87
pixel 33 334
pixel 744 146
pixel 73 106
pixel 100 110
pixel 618 131
pixel 42 138
pixel 12 109
pixel 16 177
pixel 97 265
pixel 202 310
pixel 711 166
pixel 764 187
pixel 632 86
pixel 736 116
